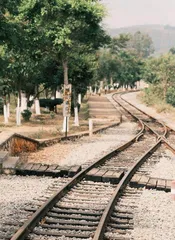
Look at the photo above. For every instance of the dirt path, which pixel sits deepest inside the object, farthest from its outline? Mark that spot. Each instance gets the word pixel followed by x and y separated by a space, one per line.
pixel 168 118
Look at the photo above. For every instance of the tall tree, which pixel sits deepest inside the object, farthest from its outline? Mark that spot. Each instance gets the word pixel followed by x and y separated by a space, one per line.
pixel 161 71
pixel 67 26
pixel 142 44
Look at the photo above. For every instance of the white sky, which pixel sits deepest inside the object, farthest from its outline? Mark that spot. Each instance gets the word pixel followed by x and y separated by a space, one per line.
pixel 122 13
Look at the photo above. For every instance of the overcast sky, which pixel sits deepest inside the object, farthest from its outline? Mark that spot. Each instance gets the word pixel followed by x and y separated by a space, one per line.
pixel 122 13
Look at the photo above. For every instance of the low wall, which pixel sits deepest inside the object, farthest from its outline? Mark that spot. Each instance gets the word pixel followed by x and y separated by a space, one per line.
pixel 16 144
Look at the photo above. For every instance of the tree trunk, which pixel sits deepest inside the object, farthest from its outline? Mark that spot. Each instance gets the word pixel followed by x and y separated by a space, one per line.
pixel 101 84
pixel 76 118
pixel 58 93
pixel 46 92
pixel 79 98
pixel 65 68
pixel 90 90
pixel 66 82
pixel 111 81
pixel 23 102
pixel 37 105
pixel 18 111
pixel 8 106
pixel 53 94
pixel 8 109
pixel 5 111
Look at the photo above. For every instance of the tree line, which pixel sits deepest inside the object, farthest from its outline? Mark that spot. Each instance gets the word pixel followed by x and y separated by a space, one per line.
pixel 45 44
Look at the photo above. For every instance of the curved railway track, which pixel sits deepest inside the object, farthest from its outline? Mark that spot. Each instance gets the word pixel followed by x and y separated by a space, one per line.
pixel 97 203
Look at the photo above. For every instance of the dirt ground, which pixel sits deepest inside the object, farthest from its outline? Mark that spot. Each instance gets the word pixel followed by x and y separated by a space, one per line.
pixel 45 126
pixel 166 117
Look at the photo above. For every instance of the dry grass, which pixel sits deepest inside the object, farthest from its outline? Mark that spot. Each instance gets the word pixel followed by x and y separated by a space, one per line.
pixel 19 145
pixel 157 102
pixel 44 126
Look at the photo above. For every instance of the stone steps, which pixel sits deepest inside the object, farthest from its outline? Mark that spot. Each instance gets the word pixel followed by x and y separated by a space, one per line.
pixel 7 163
pixel 101 107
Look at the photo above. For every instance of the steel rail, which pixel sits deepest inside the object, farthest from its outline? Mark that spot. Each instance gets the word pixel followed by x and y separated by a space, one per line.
pixel 99 234
pixel 30 224
pixel 160 122
pixel 138 119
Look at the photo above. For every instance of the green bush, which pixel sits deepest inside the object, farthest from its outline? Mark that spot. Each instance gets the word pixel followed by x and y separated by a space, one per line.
pixel 50 103
pixel 153 95
pixel 52 115
pixel 26 114
pixel 170 96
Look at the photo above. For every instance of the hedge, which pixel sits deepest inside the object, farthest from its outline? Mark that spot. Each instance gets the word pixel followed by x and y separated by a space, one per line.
pixel 50 103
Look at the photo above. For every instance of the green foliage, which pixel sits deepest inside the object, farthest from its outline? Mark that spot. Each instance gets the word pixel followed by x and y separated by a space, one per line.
pixel 26 114
pixel 39 37
pixel 163 37
pixel 118 43
pixel 129 69
pixel 50 103
pixel 172 50
pixel 170 96
pixel 153 95
pixel 160 71
pixel 119 64
pixel 141 44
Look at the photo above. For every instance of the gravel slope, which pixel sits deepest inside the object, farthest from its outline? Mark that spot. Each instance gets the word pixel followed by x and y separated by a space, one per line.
pixel 18 192
pixel 86 148
pixel 154 217
pixel 165 168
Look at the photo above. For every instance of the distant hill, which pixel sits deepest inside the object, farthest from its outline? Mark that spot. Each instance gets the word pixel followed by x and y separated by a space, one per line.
pixel 163 36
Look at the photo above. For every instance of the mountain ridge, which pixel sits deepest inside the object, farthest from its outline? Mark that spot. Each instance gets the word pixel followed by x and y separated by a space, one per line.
pixel 163 36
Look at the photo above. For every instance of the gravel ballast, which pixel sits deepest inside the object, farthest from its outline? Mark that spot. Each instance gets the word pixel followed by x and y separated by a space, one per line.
pixel 154 217
pixel 86 148
pixel 18 192
pixel 165 168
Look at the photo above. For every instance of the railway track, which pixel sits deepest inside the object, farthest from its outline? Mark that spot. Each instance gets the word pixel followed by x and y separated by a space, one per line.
pixel 99 202
pixel 151 123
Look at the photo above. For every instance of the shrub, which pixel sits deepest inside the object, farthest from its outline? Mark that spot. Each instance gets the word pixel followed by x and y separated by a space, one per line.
pixel 50 103
pixel 52 115
pixel 153 95
pixel 26 114
pixel 170 96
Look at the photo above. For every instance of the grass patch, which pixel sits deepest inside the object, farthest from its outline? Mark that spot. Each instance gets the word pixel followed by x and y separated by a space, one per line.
pixel 153 96
pixel 43 134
